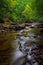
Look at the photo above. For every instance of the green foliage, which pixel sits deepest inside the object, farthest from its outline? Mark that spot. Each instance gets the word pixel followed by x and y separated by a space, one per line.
pixel 39 6
pixel 21 10
pixel 6 9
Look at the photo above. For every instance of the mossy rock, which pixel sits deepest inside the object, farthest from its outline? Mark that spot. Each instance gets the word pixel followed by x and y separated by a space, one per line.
pixel 35 31
pixel 28 43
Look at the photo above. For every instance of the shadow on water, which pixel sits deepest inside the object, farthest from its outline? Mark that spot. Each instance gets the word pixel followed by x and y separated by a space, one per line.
pixel 22 48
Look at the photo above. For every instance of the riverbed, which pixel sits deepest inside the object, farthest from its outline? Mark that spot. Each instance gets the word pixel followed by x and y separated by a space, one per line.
pixel 23 47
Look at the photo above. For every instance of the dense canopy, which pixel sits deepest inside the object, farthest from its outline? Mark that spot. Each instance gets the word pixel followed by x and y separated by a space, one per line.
pixel 21 10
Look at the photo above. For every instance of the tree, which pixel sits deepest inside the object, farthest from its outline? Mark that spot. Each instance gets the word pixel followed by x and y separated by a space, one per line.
pixel 6 9
pixel 39 6
pixel 21 10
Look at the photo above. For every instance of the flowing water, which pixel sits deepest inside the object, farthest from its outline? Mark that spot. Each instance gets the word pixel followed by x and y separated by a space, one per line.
pixel 25 49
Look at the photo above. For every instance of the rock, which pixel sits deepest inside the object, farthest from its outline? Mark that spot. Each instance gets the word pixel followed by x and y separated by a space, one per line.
pixel 27 64
pixel 37 25
pixel 36 63
pixel 30 58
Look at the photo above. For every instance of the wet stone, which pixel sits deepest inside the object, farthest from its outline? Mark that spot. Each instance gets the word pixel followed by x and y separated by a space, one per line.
pixel 36 63
pixel 34 53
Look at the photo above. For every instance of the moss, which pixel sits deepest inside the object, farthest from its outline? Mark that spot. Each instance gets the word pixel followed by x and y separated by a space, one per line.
pixel 35 31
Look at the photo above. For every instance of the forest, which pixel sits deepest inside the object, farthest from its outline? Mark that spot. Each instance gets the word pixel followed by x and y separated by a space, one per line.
pixel 21 32
pixel 21 11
